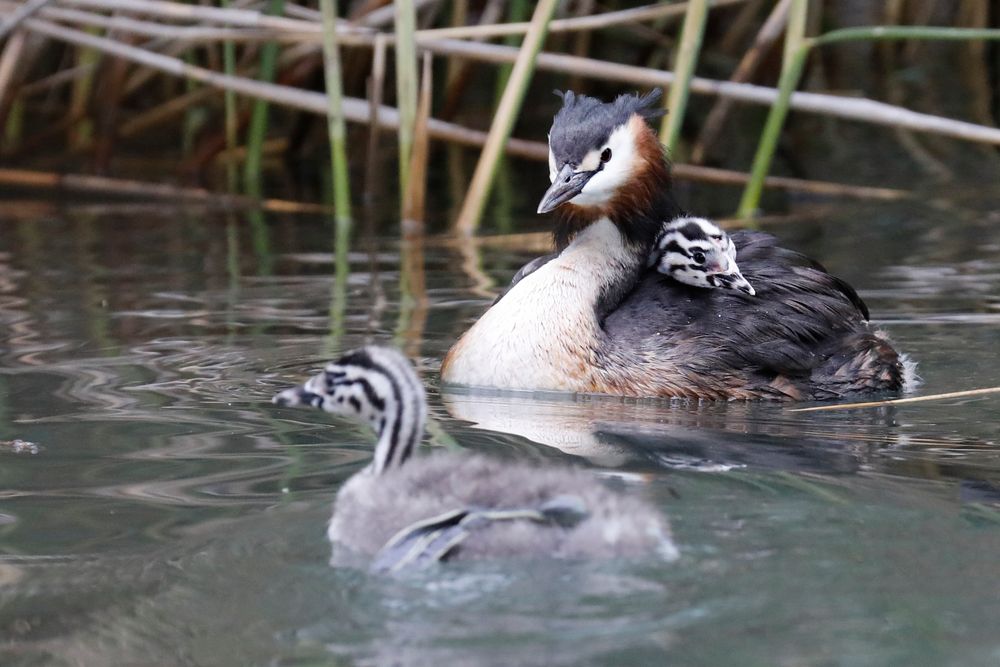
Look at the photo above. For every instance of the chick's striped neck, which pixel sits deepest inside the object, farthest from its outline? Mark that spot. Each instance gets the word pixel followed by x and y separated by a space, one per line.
pixel 379 387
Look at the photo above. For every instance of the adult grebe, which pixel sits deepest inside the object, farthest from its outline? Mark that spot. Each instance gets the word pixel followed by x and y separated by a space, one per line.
pixel 595 318
pixel 409 511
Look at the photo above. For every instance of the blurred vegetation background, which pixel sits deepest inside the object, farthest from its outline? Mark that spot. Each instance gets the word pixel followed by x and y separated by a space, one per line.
pixel 435 107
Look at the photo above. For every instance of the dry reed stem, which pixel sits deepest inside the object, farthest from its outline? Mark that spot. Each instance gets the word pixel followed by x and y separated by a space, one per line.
pixel 860 109
pixel 903 401
pixel 459 70
pixel 406 88
pixel 19 15
pixel 181 12
pixel 8 64
pixel 383 16
pixel 131 188
pixel 766 37
pixel 594 22
pixel 164 112
pixel 60 78
pixel 308 23
pixel 416 193
pixel 503 121
pixel 356 110
pixel 376 84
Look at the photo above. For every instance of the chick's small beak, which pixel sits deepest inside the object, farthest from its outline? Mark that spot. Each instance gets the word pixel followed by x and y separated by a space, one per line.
pixel 566 185
pixel 743 285
pixel 303 395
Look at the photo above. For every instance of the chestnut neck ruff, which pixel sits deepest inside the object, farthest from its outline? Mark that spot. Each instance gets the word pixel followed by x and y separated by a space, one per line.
pixel 639 209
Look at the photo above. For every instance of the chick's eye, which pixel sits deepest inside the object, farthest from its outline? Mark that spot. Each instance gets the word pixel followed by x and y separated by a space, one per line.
pixel 698 257
pixel 606 155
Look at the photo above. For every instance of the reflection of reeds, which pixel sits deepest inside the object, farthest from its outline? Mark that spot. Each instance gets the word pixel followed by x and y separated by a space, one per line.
pixel 183 40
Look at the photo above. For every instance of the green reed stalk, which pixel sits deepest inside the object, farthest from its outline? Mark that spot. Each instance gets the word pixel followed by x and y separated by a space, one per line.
pixel 894 32
pixel 503 122
pixel 406 88
pixel 81 134
pixel 336 127
pixel 13 131
pixel 260 238
pixel 229 109
pixel 795 54
pixel 795 59
pixel 684 64
pixel 257 132
pixel 518 12
pixel 193 115
pixel 338 291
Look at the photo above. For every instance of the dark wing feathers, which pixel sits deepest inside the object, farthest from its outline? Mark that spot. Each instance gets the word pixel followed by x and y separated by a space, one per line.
pixel 804 335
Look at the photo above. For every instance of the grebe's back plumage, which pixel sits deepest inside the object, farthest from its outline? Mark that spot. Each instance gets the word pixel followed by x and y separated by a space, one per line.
pixel 460 506
pixel 594 318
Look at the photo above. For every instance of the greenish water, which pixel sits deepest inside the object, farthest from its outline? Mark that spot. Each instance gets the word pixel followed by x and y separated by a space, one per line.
pixel 165 513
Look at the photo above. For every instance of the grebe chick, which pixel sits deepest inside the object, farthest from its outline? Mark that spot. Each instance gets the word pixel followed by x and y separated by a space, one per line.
pixel 406 510
pixel 695 251
pixel 596 319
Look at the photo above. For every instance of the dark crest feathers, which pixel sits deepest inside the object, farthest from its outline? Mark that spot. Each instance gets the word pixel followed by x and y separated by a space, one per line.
pixel 585 123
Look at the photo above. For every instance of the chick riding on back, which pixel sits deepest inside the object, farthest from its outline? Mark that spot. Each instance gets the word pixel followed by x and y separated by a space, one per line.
pixel 696 252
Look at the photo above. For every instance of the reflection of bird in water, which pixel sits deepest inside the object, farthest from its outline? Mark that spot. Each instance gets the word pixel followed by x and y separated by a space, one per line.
pixel 636 436
pixel 407 510
pixel 595 318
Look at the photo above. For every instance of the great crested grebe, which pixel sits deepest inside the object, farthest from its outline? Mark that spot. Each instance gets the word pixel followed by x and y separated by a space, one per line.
pixel 595 318
pixel 696 252
pixel 407 510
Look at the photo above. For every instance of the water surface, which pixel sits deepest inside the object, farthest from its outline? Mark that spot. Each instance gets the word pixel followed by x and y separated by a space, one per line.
pixel 156 509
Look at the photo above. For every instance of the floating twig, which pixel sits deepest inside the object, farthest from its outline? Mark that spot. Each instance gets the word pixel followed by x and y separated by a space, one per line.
pixel 902 401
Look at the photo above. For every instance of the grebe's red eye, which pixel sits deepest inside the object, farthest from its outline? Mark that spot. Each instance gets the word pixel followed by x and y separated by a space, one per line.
pixel 606 155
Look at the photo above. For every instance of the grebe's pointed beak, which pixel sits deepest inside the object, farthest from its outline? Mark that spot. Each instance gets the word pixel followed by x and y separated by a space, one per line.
pixel 742 284
pixel 566 185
